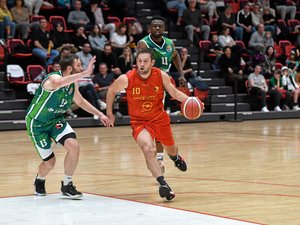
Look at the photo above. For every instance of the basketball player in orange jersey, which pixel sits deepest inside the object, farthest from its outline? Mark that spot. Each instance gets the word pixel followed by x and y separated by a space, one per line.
pixel 164 54
pixel 145 87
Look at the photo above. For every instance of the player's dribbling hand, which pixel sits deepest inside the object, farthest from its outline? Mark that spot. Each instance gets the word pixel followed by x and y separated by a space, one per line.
pixel 104 120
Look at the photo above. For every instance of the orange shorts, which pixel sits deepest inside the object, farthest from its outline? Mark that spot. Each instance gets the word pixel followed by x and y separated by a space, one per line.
pixel 159 129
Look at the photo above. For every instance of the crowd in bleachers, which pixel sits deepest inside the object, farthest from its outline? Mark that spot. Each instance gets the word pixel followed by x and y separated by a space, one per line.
pixel 235 36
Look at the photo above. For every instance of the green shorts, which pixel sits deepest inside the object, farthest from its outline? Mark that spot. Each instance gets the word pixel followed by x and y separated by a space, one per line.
pixel 42 133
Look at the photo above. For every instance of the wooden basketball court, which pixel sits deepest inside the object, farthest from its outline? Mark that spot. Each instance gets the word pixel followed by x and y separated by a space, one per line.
pixel 248 171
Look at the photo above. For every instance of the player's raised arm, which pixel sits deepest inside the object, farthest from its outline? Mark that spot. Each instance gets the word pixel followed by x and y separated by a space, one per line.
pixel 117 86
pixel 173 91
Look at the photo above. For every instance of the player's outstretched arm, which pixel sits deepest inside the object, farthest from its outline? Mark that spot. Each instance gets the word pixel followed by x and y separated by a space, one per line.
pixel 171 89
pixel 54 82
pixel 118 85
pixel 84 104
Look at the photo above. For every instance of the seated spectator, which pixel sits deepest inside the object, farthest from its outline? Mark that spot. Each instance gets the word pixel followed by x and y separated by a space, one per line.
pixel 269 20
pixel 244 20
pixel 275 85
pixel 42 44
pixel 224 39
pixel 33 6
pixel 7 26
pixel 85 55
pixel 210 6
pixel 257 40
pixel 266 4
pixel 96 17
pixel 269 62
pixel 215 48
pixel 125 61
pixel 290 84
pixel 79 38
pixel 231 69
pixel 179 5
pixel 136 35
pixel 258 89
pixel 97 40
pixel 292 63
pixel 62 39
pixel 102 81
pixel 192 19
pixel 190 76
pixel 269 41
pixel 284 9
pixel 77 17
pixel 119 39
pixel 256 15
pixel 109 58
pixel 227 19
pixel 21 17
pixel 63 53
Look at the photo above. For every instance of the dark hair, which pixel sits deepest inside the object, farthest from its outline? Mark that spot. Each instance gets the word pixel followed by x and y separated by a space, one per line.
pixel 158 18
pixel 145 51
pixel 273 54
pixel 23 3
pixel 67 61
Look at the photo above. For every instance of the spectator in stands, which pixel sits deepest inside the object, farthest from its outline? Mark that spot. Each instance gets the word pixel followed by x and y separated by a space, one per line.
pixel 284 9
pixel 42 44
pixel 6 21
pixel 20 15
pixel 192 19
pixel 34 6
pixel 210 6
pixel 231 69
pixel 266 4
pixel 63 53
pixel 258 88
pixel 225 39
pixel 119 39
pixel 256 15
pixel 109 57
pixel 136 35
pixel 215 48
pixel 96 17
pixel 85 55
pixel 97 40
pixel 269 62
pixel 275 85
pixel 269 41
pixel 227 19
pixel 257 40
pixel 79 38
pixel 290 84
pixel 62 39
pixel 125 61
pixel 244 20
pixel 292 63
pixel 269 21
pixel 78 17
pixel 187 69
pixel 178 5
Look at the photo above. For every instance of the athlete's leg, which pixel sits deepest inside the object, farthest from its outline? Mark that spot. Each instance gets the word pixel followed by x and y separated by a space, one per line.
pixel 71 159
pixel 46 166
pixel 178 160
pixel 160 155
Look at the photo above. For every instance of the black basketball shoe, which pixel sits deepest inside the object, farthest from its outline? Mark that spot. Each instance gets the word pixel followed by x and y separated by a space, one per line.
pixel 70 191
pixel 166 192
pixel 39 186
pixel 180 163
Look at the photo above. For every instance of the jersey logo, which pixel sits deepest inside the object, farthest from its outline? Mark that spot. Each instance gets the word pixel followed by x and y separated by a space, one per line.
pixel 147 106
pixel 59 125
pixel 156 88
pixel 63 103
pixel 169 48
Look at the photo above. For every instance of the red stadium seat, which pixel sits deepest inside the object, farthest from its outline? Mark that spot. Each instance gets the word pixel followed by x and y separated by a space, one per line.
pixel 34 71
pixel 54 20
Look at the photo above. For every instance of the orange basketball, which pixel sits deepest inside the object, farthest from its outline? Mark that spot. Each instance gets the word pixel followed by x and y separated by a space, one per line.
pixel 192 108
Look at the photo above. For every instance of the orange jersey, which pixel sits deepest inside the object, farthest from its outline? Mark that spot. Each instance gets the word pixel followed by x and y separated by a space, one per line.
pixel 145 96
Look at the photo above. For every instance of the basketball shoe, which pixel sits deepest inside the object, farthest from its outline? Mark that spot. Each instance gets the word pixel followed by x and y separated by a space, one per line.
pixel 179 162
pixel 39 186
pixel 70 191
pixel 166 192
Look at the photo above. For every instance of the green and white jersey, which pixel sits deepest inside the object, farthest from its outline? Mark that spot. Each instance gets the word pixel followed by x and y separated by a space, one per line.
pixel 162 54
pixel 48 106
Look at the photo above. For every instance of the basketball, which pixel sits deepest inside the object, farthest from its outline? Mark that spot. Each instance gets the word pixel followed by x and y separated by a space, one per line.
pixel 192 108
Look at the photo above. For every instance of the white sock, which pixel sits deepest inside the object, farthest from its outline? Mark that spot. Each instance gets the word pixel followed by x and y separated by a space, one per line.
pixel 40 178
pixel 160 156
pixel 67 180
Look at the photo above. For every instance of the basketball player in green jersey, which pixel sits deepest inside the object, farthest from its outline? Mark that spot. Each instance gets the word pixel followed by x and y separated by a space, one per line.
pixel 164 54
pixel 45 121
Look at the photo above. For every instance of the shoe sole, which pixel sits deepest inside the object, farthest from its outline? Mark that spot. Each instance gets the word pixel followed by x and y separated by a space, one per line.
pixel 71 196
pixel 165 193
pixel 40 194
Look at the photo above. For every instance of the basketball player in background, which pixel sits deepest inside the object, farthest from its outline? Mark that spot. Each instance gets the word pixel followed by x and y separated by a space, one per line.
pixel 145 92
pixel 164 54
pixel 45 121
